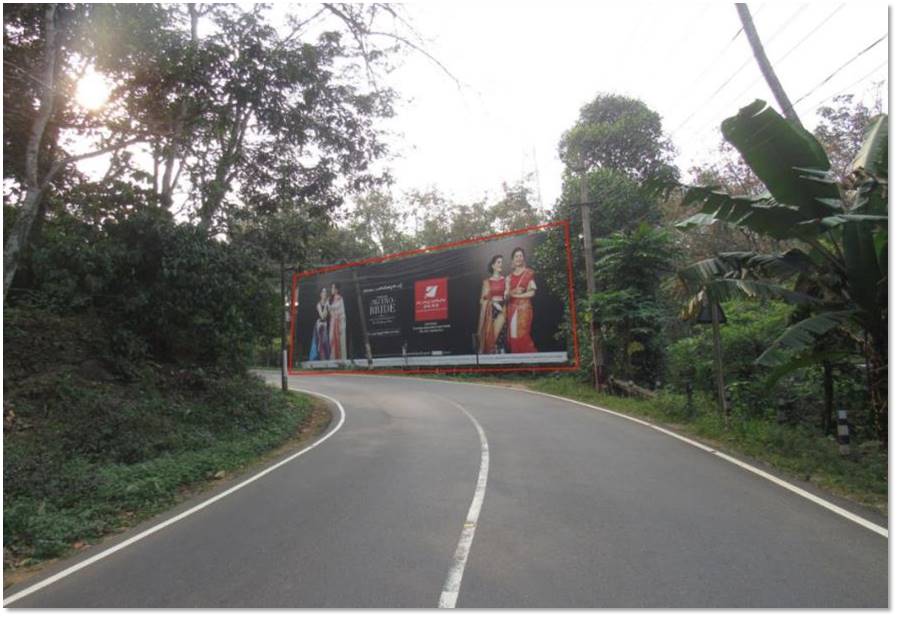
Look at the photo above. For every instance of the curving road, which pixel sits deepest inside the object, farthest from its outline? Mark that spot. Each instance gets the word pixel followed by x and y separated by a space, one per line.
pixel 577 508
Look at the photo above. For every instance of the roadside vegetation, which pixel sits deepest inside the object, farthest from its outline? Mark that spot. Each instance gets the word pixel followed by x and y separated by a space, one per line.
pixel 88 451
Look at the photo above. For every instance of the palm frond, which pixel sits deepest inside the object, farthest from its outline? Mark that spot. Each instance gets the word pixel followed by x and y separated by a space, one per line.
pixel 802 336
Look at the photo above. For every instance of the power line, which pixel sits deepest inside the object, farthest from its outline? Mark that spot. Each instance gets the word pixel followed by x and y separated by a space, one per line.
pixel 819 103
pixel 806 37
pixel 719 55
pixel 811 32
pixel 786 54
pixel 839 69
pixel 738 70
pixel 819 85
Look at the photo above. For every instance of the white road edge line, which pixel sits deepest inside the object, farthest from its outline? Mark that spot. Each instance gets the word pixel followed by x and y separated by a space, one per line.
pixel 767 476
pixel 449 596
pixel 859 520
pixel 132 540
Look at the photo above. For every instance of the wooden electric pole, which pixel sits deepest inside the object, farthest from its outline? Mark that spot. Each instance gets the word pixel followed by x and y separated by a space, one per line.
pixel 718 362
pixel 589 253
pixel 283 327
pixel 765 67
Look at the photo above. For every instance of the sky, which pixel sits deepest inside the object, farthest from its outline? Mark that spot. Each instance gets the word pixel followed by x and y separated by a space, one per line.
pixel 521 72
pixel 527 68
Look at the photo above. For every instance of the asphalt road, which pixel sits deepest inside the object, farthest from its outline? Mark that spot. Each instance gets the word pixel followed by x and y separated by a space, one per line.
pixel 581 509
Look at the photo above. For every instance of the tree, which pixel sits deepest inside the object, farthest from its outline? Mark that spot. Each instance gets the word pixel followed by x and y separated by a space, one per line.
pixel 841 131
pixel 837 274
pixel 273 118
pixel 515 210
pixel 621 207
pixel 376 220
pixel 619 133
pixel 46 48
pixel 628 270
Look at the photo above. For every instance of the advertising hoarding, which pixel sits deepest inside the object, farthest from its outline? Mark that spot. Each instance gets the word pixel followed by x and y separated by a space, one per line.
pixel 478 304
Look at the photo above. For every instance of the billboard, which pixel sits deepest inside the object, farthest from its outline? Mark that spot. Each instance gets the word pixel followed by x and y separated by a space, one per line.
pixel 477 304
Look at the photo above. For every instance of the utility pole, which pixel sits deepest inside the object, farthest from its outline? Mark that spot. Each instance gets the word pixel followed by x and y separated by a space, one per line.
pixel 597 356
pixel 765 67
pixel 283 328
pixel 718 361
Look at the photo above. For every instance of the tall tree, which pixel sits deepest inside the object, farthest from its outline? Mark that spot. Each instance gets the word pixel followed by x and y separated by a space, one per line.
pixel 841 130
pixel 629 270
pixel 515 209
pixel 46 48
pixel 618 133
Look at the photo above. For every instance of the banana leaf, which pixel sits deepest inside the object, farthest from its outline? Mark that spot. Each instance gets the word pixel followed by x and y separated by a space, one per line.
pixel 760 214
pixel 802 362
pixel 802 336
pixel 780 152
pixel 873 155
pixel 722 289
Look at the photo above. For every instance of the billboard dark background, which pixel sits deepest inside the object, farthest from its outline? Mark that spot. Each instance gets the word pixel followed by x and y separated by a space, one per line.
pixel 465 267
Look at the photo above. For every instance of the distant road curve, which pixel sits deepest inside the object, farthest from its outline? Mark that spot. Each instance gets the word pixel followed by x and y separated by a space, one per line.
pixel 581 509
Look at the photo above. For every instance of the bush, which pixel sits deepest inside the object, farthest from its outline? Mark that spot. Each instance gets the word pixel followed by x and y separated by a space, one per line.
pixel 88 459
pixel 751 327
pixel 162 289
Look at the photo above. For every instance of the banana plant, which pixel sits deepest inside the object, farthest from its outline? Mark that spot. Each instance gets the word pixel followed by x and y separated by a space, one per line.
pixel 837 270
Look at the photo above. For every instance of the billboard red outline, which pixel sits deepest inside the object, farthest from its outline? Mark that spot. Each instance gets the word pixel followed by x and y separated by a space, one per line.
pixel 294 301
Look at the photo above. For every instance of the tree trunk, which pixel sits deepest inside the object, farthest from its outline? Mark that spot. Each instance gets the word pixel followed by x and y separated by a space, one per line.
pixel 765 66
pixel 34 188
pixel 718 363
pixel 173 152
pixel 877 359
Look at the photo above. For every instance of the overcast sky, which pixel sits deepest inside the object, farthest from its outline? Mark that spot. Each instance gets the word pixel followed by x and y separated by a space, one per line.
pixel 527 68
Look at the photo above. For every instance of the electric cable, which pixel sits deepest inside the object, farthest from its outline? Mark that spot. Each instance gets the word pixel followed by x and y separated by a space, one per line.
pixel 737 71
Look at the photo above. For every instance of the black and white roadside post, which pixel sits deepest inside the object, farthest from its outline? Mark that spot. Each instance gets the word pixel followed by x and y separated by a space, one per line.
pixel 843 433
pixel 589 253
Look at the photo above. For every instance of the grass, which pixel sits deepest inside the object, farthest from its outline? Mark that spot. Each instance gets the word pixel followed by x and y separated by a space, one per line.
pixel 797 450
pixel 89 451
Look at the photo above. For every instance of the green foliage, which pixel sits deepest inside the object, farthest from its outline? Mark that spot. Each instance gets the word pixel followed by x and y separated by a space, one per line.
pixel 85 453
pixel 621 207
pixel 618 133
pixel 616 144
pixel 839 276
pixel 750 328
pixel 628 272
pixel 778 152
pixel 162 287
pixel 842 130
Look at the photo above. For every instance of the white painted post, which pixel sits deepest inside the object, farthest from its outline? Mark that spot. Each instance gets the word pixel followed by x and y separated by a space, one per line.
pixel 843 433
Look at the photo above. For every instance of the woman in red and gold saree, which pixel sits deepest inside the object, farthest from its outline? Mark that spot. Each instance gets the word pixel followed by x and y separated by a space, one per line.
pixel 493 297
pixel 521 289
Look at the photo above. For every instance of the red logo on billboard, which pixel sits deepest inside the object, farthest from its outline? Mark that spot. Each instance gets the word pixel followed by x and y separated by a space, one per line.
pixel 431 299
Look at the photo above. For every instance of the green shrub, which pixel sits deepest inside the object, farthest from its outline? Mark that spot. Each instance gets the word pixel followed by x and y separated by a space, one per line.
pixel 84 458
pixel 161 289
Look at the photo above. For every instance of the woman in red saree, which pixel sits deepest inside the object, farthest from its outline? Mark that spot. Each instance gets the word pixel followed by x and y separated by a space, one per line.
pixel 522 287
pixel 493 297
